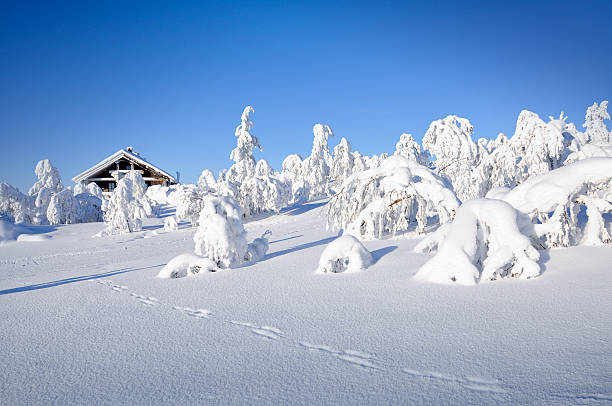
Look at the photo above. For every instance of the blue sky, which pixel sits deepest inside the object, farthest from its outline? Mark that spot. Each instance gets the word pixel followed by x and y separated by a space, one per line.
pixel 79 81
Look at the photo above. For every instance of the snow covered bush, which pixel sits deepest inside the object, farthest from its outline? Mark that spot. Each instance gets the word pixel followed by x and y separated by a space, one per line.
pixel 170 224
pixel 484 242
pixel 186 265
pixel 15 206
pixel 315 168
pixel 553 201
pixel 256 250
pixel 123 212
pixel 79 188
pixel 220 235
pixel 344 254
pixel 397 196
pixel 63 208
pixel 242 155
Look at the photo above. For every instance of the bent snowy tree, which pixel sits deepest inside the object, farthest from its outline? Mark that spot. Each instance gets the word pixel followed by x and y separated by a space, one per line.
pixel 397 196
pixel 484 242
pixel 553 201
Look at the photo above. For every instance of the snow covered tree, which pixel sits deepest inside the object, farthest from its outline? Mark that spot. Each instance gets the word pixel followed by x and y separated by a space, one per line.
pixel 292 175
pixel 409 148
pixel 190 205
pixel 539 146
pixel 79 188
pixel 15 206
pixel 242 155
pixel 397 196
pixel 48 177
pixel 139 192
pixel 484 242
pixel 90 208
pixel 342 164
pixel 63 208
pixel 95 190
pixel 450 141
pixel 596 131
pixel 123 212
pixel 207 181
pixel 315 168
pixel 220 235
pixel 264 192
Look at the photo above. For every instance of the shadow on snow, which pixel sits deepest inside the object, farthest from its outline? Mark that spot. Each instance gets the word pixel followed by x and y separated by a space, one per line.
pixel 381 252
pixel 71 280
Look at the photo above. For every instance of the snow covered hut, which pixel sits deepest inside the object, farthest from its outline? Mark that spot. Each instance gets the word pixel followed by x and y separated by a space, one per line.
pixel 109 171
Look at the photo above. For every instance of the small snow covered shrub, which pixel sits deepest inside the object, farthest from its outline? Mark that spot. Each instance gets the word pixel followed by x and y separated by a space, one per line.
pixel 344 254
pixel 220 235
pixel 257 249
pixel 170 224
pixel 484 242
pixel 395 197
pixel 186 265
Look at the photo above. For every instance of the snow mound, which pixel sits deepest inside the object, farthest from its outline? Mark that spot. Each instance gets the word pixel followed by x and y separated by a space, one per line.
pixel 257 249
pixel 186 265
pixel 344 254
pixel 483 242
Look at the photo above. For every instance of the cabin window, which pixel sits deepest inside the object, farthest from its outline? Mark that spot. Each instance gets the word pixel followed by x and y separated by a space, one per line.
pixel 111 186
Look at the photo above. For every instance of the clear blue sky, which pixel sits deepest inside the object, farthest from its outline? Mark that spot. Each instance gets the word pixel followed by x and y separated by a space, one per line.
pixel 79 81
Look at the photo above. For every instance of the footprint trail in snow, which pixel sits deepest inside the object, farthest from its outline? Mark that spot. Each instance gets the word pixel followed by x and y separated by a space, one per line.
pixel 361 359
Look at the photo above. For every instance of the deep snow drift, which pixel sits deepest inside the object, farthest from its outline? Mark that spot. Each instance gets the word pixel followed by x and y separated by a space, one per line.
pixel 85 320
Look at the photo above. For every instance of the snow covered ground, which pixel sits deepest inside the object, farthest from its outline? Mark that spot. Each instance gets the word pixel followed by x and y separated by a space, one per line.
pixel 84 320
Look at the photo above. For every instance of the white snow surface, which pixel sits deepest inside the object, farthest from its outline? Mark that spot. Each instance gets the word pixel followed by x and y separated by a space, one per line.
pixel 85 320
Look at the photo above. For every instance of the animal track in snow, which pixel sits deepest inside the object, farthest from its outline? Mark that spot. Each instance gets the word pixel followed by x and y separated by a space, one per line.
pixel 264 331
pixel 472 383
pixel 357 358
pixel 197 313
pixel 145 300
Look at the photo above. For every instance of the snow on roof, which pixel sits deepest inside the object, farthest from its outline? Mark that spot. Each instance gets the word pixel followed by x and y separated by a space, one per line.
pixel 122 153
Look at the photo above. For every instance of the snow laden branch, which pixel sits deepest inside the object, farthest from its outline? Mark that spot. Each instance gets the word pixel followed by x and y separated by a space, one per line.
pixel 395 197
pixel 555 199
pixel 483 242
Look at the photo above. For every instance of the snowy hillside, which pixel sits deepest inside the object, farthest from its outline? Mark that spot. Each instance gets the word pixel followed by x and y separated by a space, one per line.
pixel 85 320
